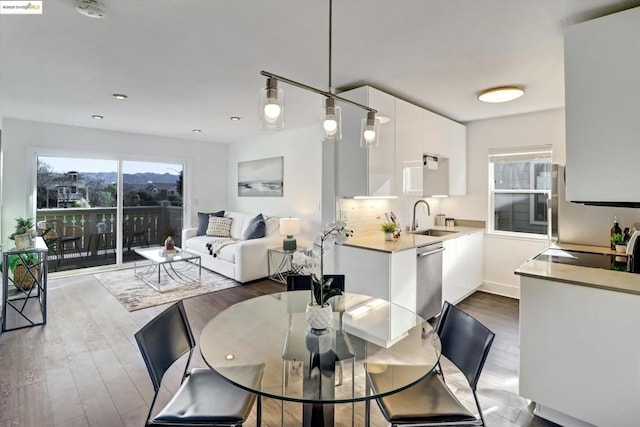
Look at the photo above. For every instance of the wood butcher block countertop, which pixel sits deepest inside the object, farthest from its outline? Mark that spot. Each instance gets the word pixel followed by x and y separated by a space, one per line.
pixel 611 280
pixel 407 240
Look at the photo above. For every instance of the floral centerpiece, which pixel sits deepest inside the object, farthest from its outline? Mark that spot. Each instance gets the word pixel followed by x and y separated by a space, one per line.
pixel 312 262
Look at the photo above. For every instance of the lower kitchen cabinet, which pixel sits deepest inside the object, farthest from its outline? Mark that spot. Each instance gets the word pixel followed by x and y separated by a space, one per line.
pixel 387 275
pixel 462 266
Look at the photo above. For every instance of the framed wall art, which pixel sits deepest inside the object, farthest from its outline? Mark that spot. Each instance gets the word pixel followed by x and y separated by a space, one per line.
pixel 261 178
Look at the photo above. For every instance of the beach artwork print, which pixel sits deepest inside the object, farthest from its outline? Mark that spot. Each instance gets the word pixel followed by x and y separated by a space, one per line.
pixel 261 178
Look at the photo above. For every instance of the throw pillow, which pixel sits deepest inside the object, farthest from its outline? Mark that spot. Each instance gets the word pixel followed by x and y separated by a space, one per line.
pixel 256 228
pixel 203 221
pixel 219 226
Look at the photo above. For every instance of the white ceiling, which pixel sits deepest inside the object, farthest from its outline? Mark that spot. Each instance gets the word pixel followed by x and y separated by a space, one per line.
pixel 189 64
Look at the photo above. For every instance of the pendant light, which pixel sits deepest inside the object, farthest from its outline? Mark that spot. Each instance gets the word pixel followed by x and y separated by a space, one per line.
pixel 271 106
pixel 370 131
pixel 331 114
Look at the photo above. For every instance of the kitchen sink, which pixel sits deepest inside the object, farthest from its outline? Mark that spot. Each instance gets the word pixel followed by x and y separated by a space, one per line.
pixel 433 232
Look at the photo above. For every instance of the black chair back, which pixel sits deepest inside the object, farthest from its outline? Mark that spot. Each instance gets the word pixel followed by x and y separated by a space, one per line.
pixel 302 282
pixel 465 341
pixel 164 340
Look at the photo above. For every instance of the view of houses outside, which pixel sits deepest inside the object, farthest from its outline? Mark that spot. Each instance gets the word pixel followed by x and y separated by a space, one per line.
pixel 82 195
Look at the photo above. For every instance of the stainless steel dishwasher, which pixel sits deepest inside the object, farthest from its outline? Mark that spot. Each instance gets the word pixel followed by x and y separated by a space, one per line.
pixel 429 280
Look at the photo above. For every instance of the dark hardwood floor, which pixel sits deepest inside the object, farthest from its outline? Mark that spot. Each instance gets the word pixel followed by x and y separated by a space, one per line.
pixel 84 368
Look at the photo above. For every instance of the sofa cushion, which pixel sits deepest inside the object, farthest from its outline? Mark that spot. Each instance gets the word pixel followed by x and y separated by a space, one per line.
pixel 219 226
pixel 256 228
pixel 203 221
pixel 272 225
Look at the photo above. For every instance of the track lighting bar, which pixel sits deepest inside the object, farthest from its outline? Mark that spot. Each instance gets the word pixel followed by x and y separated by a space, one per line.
pixel 318 91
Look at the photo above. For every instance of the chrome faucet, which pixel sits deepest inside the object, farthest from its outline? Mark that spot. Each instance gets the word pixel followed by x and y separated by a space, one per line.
pixel 414 223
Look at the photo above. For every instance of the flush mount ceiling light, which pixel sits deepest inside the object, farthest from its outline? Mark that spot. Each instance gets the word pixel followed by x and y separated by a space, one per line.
pixel 196 130
pixel 272 105
pixel 90 8
pixel 98 117
pixel 119 96
pixel 234 118
pixel 501 94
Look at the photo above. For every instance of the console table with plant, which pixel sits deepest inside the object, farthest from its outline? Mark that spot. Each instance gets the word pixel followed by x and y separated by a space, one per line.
pixel 24 287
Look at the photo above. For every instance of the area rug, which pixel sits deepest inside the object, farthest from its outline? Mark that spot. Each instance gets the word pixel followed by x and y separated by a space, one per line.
pixel 134 294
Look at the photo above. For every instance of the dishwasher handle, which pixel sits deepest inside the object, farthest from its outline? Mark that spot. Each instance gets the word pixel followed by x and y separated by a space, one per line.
pixel 435 251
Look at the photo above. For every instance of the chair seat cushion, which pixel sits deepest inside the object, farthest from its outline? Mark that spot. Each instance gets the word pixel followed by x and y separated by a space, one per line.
pixel 430 400
pixel 206 397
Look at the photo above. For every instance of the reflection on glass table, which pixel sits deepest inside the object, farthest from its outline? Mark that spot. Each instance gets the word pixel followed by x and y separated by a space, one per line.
pixel 306 366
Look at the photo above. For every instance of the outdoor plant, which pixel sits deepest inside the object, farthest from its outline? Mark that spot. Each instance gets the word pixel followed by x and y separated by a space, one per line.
pixel 23 225
pixel 312 261
pixel 388 227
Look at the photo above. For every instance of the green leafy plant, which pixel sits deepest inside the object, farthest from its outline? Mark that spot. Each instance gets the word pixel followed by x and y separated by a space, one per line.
pixel 388 227
pixel 23 225
pixel 617 239
pixel 15 260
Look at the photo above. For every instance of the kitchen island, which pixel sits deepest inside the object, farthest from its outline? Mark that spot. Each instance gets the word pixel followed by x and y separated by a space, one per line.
pixel 388 269
pixel 579 342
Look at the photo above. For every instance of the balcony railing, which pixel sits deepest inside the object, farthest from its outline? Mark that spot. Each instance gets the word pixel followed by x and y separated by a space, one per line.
pixel 141 225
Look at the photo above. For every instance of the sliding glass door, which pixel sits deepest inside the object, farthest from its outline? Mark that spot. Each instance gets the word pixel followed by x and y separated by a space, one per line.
pixel 81 220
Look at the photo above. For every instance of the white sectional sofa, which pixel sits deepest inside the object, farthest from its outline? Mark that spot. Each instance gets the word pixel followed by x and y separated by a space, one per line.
pixel 245 260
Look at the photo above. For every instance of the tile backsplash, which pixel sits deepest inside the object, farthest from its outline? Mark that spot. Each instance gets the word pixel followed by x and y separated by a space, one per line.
pixel 363 216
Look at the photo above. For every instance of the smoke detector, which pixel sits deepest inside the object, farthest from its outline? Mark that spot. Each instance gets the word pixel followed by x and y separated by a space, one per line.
pixel 90 8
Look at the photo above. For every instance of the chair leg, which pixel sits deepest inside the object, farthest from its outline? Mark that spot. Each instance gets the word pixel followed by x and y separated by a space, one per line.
pixel 259 412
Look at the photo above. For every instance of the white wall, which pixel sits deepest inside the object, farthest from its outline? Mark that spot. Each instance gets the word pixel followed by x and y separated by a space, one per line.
pixel 302 187
pixel 577 223
pixel 205 173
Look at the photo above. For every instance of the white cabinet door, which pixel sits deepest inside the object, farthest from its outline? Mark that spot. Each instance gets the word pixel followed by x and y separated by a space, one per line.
pixel 602 87
pixel 462 266
pixel 457 159
pixel 390 276
pixel 381 160
pixel 409 141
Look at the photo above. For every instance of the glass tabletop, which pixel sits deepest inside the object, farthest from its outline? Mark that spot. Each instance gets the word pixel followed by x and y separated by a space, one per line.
pixel 157 255
pixel 330 366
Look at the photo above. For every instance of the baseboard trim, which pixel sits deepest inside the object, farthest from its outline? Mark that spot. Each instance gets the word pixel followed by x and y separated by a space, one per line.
pixel 501 289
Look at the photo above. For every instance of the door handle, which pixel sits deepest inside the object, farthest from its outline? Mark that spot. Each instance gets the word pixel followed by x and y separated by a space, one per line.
pixel 435 251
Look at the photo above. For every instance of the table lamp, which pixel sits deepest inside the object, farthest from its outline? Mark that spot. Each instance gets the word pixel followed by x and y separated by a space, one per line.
pixel 289 227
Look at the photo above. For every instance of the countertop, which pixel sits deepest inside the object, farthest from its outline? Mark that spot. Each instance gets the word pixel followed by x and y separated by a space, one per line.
pixel 611 280
pixel 407 240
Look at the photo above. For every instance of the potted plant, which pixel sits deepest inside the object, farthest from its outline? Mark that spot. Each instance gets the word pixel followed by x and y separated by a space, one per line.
pixel 388 228
pixel 23 235
pixel 319 313
pixel 17 266
pixel 617 240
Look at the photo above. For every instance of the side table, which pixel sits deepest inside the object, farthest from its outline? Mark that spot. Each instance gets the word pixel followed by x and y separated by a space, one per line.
pixel 279 263
pixel 24 304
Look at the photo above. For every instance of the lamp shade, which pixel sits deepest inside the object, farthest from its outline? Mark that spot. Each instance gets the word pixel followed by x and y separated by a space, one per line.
pixel 290 226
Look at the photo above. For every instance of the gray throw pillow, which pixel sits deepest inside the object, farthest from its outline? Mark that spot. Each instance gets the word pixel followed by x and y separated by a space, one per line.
pixel 203 221
pixel 256 228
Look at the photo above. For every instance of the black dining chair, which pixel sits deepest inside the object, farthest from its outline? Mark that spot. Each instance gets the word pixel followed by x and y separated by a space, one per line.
pixel 204 397
pixel 466 343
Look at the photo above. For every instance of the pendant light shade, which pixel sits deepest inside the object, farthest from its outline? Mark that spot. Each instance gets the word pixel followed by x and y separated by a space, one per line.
pixel 272 106
pixel 370 134
pixel 331 121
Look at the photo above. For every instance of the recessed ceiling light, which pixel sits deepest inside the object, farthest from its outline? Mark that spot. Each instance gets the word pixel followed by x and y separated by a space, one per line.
pixel 98 117
pixel 196 130
pixel 119 96
pixel 234 118
pixel 501 94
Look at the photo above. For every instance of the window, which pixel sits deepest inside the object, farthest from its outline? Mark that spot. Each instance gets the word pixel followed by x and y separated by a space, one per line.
pixel 519 186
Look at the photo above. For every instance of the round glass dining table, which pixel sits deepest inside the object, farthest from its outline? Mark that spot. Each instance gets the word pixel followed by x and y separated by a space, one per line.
pixel 321 368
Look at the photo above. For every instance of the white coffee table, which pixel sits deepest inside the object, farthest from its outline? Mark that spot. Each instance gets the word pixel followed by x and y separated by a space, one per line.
pixel 176 266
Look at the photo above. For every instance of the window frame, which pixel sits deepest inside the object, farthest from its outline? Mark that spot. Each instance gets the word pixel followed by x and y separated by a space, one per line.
pixel 544 151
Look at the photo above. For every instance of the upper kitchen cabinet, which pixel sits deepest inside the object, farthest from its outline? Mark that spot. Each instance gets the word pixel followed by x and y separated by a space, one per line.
pixel 602 84
pixel 419 132
pixel 362 172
